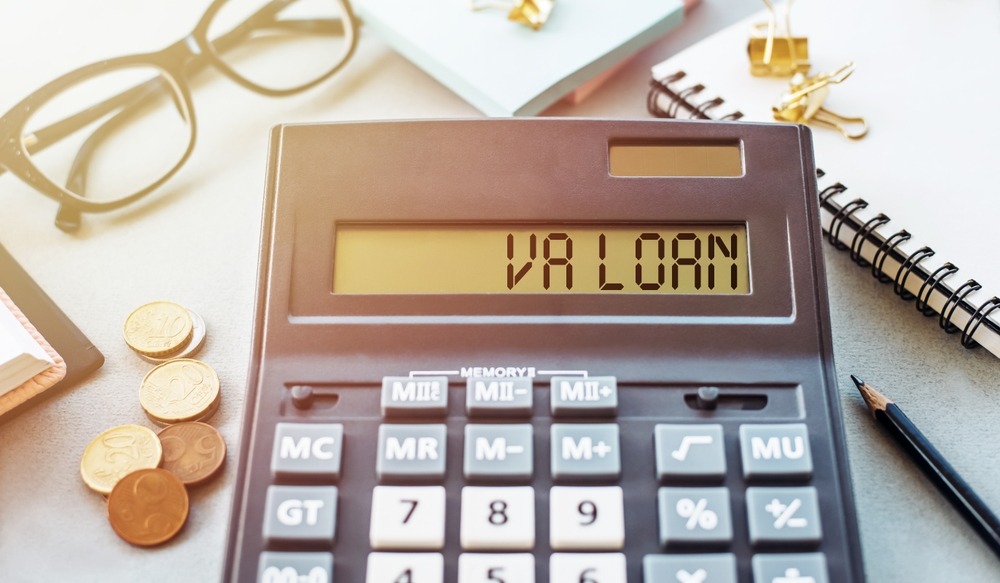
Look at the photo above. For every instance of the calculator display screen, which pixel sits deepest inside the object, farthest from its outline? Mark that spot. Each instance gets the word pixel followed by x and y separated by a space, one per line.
pixel 661 258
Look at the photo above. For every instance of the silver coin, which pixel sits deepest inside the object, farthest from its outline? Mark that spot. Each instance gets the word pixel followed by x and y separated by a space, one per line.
pixel 198 334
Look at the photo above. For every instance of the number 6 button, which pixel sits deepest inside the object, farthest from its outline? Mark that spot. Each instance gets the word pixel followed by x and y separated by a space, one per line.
pixel 583 518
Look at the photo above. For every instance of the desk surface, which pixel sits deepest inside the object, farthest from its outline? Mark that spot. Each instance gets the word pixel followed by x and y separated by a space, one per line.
pixel 196 243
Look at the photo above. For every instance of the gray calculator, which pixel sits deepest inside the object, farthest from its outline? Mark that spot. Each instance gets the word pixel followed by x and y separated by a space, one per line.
pixel 542 350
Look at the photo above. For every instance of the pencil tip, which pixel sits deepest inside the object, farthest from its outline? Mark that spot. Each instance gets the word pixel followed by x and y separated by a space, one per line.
pixel 875 400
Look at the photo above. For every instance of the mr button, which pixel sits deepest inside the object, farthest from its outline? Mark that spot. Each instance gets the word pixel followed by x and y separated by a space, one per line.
pixel 411 452
pixel 404 397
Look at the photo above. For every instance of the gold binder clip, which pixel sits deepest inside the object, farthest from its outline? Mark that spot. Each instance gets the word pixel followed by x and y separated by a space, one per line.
pixel 804 103
pixel 778 55
pixel 533 13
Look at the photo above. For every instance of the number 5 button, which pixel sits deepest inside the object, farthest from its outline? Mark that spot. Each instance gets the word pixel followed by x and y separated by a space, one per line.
pixel 407 517
pixel 583 518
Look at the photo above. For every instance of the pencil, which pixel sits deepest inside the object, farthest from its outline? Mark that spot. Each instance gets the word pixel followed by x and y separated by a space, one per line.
pixel 933 464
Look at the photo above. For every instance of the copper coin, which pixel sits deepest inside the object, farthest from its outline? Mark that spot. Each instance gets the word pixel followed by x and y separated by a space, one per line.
pixel 148 507
pixel 192 451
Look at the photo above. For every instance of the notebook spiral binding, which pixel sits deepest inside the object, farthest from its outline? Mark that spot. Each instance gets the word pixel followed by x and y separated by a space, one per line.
pixel 671 97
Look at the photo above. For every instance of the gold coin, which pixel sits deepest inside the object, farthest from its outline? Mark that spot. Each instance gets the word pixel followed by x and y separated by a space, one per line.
pixel 198 334
pixel 148 507
pixel 118 452
pixel 179 390
pixel 192 451
pixel 158 328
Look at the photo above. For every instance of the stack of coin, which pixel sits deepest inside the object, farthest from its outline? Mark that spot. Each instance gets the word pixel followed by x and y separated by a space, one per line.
pixel 161 331
pixel 145 475
pixel 179 390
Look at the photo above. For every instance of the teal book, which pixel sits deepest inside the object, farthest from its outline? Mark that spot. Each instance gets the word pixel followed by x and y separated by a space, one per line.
pixel 507 69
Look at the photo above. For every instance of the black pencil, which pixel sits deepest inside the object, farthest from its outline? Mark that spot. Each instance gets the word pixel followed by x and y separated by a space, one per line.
pixel 933 464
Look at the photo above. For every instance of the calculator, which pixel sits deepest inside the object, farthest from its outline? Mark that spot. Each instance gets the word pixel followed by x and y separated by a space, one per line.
pixel 542 351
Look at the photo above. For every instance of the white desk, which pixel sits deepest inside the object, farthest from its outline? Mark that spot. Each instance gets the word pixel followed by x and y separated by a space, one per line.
pixel 196 243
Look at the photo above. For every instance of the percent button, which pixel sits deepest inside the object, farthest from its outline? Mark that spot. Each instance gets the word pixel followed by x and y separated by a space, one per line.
pixel 694 516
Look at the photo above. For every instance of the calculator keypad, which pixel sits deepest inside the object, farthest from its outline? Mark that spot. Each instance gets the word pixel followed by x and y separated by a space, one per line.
pixel 702 507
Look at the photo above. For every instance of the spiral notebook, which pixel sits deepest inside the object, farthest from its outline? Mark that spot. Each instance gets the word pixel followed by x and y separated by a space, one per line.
pixel 916 202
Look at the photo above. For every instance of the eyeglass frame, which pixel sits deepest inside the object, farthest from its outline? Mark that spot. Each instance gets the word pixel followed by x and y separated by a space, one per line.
pixel 172 62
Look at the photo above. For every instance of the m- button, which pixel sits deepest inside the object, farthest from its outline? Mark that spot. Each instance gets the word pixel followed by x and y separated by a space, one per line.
pixel 307 449
pixel 407 397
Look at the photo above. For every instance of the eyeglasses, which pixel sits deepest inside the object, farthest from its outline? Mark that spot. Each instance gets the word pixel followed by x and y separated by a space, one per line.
pixel 67 140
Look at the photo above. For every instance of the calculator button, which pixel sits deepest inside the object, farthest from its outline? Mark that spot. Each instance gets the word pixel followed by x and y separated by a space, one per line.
pixel 499 397
pixel 706 568
pixel 496 568
pixel 577 567
pixel 689 451
pixel 409 397
pixel 694 516
pixel 586 518
pixel 311 567
pixel 775 451
pixel 300 513
pixel 584 396
pixel 783 515
pixel 585 451
pixel 411 452
pixel 307 449
pixel 501 518
pixel 407 517
pixel 498 452
pixel 790 568
pixel 405 568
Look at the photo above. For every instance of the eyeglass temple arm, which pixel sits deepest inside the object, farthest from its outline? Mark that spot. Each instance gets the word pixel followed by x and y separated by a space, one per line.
pixel 47 136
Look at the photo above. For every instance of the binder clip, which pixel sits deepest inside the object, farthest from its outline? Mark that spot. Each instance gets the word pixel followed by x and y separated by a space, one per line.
pixel 777 55
pixel 533 13
pixel 804 103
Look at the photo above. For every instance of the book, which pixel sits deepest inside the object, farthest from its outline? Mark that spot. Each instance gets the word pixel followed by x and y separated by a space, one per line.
pixel 506 69
pixel 914 201
pixel 73 357
pixel 22 354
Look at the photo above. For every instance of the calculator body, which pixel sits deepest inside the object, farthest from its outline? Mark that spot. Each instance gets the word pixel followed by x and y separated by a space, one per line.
pixel 685 434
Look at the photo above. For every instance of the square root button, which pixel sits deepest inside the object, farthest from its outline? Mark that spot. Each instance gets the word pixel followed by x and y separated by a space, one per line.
pixel 414 397
pixel 686 452
pixel 584 396
pixel 585 451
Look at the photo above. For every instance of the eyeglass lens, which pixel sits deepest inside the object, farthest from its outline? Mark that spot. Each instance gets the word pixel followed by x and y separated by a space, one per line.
pixel 273 44
pixel 281 45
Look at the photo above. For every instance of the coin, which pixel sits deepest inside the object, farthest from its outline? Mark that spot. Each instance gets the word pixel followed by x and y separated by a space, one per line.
pixel 116 453
pixel 148 507
pixel 179 390
pixel 198 333
pixel 192 451
pixel 158 328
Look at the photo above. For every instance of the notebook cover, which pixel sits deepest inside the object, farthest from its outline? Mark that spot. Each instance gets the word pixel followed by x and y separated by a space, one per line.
pixel 78 352
pixel 42 381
